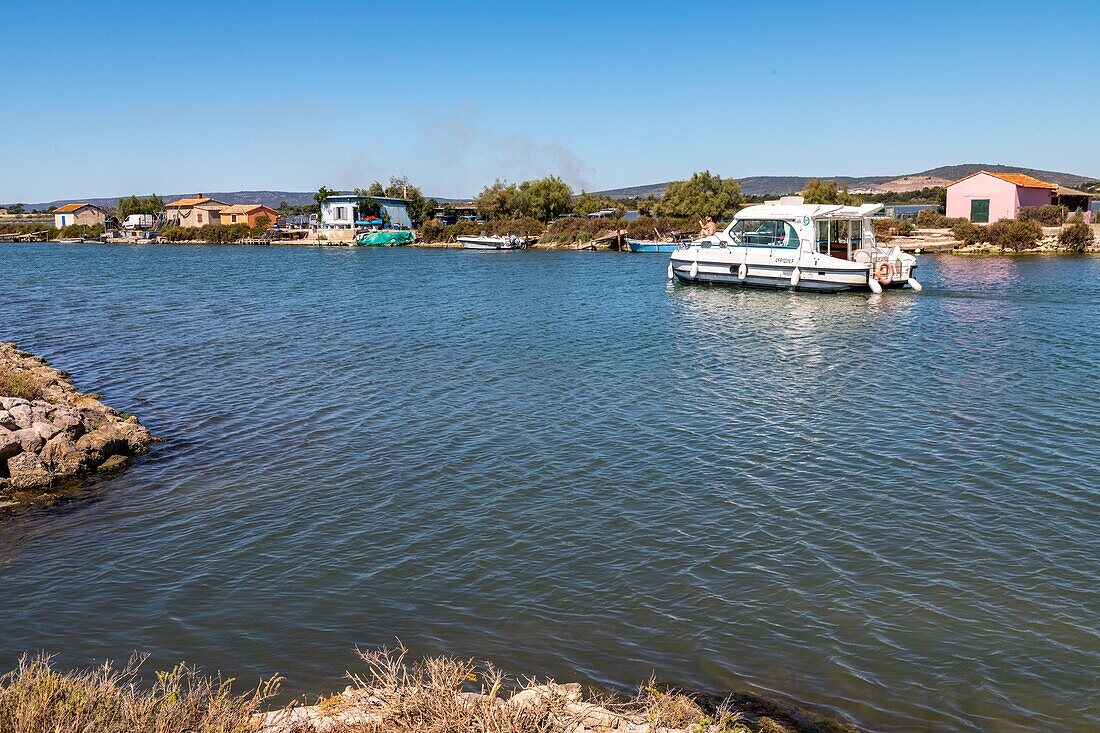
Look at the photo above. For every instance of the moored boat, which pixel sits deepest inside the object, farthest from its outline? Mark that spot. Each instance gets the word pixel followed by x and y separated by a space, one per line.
pixel 642 245
pixel 385 238
pixel 792 245
pixel 509 242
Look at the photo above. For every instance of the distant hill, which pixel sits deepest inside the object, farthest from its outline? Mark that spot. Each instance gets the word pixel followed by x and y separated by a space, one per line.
pixel 752 185
pixel 780 185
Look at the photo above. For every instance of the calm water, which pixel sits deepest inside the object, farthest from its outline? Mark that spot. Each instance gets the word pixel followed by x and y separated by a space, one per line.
pixel 561 462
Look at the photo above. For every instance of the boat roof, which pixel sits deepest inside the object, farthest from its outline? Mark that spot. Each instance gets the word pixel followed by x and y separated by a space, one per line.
pixel 792 207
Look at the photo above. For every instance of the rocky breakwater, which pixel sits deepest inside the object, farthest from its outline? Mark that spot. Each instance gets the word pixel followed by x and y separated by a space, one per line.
pixel 53 435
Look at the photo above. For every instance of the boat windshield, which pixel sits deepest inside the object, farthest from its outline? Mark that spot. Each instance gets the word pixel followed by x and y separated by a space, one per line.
pixel 763 233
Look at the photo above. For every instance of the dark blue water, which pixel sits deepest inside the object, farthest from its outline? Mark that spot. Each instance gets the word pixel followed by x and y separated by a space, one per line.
pixel 882 506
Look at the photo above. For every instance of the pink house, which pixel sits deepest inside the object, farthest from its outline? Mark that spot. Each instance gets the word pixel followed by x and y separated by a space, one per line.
pixel 985 197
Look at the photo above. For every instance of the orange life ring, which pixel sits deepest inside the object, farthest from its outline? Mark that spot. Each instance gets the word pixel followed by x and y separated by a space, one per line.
pixel 884 273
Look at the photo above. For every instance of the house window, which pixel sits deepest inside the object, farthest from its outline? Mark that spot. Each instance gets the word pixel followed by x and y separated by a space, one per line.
pixel 199 218
pixel 234 218
pixel 979 211
pixel 339 213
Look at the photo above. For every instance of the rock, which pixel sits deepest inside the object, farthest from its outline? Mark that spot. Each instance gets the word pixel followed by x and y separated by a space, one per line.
pixel 103 442
pixel 22 415
pixel 26 471
pixel 69 421
pixel 62 455
pixel 9 444
pixel 45 429
pixel 7 421
pixel 29 438
pixel 113 463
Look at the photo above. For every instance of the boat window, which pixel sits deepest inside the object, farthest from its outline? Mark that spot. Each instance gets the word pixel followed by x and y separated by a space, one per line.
pixel 764 233
pixel 856 237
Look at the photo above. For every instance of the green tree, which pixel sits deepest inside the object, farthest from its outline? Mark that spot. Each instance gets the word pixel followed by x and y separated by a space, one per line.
pixel 15 209
pixel 376 189
pixel 819 192
pixel 401 188
pixel 500 201
pixel 322 194
pixel 546 198
pixel 704 194
pixel 140 205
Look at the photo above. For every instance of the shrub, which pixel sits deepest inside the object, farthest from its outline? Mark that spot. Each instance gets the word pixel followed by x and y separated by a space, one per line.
pixel 648 227
pixel 19 383
pixel 885 229
pixel 1077 236
pixel 90 231
pixel 35 698
pixel 968 232
pixel 1048 216
pixel 178 234
pixel 1014 234
pixel 932 219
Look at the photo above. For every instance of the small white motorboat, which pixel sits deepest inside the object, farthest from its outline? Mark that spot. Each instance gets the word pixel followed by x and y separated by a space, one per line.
pixel 509 242
pixel 789 244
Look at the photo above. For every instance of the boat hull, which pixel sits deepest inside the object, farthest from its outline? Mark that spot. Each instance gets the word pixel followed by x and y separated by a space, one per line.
pixel 816 274
pixel 489 243
pixel 638 245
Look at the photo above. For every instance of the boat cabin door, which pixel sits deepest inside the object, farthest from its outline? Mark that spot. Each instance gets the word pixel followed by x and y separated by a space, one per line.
pixel 839 238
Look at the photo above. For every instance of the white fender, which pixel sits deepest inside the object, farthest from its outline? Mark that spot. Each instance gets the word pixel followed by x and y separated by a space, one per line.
pixel 915 285
pixel 694 271
pixel 743 271
pixel 670 275
pixel 796 277
pixel 876 288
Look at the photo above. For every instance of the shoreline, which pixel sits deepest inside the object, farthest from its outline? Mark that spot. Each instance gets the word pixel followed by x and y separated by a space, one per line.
pixel 390 692
pixel 55 439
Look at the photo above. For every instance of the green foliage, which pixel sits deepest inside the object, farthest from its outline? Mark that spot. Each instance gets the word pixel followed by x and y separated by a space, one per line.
pixel 19 383
pixel 1048 216
pixel 87 231
pixel 545 199
pixel 211 233
pixel 932 219
pixel 927 195
pixel 1077 236
pixel 647 227
pixel 263 222
pixel 400 187
pixel 323 193
pixel 138 205
pixel 1005 233
pixel 1014 234
pixel 375 189
pixel 967 232
pixel 590 203
pixel 704 194
pixel 435 231
pixel 885 229
pixel 500 200
pixel 822 192
pixel 15 209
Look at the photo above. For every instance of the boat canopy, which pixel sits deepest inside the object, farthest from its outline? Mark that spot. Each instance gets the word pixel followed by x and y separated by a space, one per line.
pixel 791 207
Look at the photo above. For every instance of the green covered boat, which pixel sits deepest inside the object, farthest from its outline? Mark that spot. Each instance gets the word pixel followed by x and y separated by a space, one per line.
pixel 394 238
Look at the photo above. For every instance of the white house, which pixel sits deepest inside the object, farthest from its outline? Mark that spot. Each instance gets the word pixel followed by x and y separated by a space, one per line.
pixel 340 212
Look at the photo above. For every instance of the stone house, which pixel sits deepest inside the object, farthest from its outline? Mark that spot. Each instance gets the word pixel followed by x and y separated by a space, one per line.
pixel 248 214
pixel 85 214
pixel 195 211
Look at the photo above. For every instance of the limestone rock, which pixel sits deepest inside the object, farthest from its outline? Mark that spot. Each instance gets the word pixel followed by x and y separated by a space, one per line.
pixel 45 429
pixel 7 421
pixel 9 444
pixel 113 463
pixel 26 471
pixel 62 455
pixel 22 415
pixel 29 438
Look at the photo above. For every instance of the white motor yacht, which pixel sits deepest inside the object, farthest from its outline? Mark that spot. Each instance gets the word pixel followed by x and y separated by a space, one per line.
pixel 789 244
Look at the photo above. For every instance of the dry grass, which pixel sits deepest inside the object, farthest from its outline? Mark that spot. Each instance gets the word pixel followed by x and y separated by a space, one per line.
pixel 19 383
pixel 35 698
pixel 432 696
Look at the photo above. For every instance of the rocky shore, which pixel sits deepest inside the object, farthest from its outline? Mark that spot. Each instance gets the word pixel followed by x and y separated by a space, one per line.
pixel 53 435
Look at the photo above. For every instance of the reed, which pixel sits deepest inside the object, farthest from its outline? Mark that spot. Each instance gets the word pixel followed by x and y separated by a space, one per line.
pixel 36 698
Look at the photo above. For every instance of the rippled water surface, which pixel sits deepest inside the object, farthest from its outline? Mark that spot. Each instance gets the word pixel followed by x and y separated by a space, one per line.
pixel 885 507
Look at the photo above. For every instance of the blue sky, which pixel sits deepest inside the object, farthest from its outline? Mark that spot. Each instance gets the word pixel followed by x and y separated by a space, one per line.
pixel 115 98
